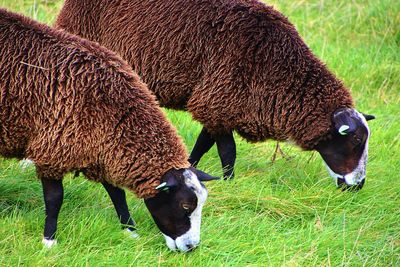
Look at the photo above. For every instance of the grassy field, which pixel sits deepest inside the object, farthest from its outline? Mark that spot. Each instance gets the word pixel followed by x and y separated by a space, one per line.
pixel 288 213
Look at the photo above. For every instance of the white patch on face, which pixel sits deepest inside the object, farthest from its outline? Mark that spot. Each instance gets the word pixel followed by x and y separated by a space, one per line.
pixel 49 243
pixel 192 237
pixel 358 174
pixel 170 242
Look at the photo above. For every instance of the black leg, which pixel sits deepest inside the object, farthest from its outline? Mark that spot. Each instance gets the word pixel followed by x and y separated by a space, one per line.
pixel 227 153
pixel 118 198
pixel 53 193
pixel 204 142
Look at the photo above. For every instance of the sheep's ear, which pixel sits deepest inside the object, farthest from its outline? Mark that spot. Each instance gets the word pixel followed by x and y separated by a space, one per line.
pixel 343 129
pixel 165 186
pixel 162 187
pixel 168 180
pixel 368 117
pixel 202 176
pixel 343 121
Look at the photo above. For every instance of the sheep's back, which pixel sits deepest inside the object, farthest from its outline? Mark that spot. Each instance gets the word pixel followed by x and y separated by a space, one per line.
pixel 172 45
pixel 234 64
pixel 58 99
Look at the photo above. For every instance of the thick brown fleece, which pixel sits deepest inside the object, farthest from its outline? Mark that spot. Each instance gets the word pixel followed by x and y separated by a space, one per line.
pixel 234 64
pixel 68 104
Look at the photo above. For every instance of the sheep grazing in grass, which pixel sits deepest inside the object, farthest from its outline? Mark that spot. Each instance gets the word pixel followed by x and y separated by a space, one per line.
pixel 68 104
pixel 235 65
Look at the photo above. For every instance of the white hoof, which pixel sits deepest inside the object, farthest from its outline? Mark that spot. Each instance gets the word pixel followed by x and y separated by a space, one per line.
pixel 132 234
pixel 48 243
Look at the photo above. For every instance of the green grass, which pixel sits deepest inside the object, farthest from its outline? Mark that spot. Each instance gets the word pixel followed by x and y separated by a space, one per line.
pixel 287 213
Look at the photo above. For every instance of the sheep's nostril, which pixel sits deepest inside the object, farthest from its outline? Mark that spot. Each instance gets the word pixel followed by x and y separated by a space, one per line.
pixel 341 182
pixel 358 186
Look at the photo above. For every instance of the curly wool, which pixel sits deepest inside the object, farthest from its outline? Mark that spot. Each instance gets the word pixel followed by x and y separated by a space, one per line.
pixel 69 104
pixel 234 64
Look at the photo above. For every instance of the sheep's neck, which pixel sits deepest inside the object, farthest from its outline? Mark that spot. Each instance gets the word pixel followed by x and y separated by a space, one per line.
pixel 142 154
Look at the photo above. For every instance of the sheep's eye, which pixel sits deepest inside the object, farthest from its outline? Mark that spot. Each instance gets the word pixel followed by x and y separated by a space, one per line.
pixel 356 140
pixel 185 206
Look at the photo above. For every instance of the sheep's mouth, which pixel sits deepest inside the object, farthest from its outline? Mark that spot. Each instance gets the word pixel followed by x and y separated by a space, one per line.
pixel 341 183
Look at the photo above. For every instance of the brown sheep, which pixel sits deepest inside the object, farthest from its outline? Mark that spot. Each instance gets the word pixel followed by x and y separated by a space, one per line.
pixel 235 65
pixel 68 104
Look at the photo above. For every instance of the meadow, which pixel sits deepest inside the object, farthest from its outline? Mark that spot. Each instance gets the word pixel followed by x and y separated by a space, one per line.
pixel 286 213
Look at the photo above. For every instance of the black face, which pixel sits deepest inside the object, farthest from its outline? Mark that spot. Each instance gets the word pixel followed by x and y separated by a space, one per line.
pixel 176 209
pixel 172 206
pixel 346 152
